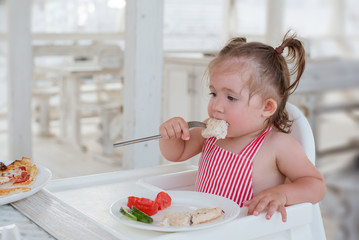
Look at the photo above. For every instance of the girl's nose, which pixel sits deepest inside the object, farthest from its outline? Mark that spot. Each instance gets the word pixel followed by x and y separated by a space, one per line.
pixel 217 105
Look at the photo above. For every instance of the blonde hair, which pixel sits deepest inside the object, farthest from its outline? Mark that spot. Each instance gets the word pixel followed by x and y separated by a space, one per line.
pixel 270 72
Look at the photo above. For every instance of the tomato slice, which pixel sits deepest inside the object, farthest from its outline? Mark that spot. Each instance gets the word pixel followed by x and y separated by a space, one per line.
pixel 145 205
pixel 131 201
pixel 148 206
pixel 163 200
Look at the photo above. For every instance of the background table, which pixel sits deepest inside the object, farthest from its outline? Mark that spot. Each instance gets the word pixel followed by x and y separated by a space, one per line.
pixel 71 78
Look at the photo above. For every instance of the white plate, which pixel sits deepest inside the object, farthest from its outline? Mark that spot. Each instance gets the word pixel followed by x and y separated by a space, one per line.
pixel 182 201
pixel 43 175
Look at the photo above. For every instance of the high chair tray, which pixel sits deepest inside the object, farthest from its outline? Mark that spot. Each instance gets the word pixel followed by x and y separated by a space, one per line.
pixel 183 180
pixel 92 197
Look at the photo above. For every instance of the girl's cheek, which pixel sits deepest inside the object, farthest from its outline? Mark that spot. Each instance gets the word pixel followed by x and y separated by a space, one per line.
pixel 209 109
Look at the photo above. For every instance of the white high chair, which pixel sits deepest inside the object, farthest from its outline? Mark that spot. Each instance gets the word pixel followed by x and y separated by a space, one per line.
pixel 304 220
pixel 302 132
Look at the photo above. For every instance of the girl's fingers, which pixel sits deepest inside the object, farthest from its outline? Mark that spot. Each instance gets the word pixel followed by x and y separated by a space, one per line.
pixel 164 133
pixel 175 128
pixel 267 202
pixel 263 203
pixel 276 207
pixel 250 205
pixel 271 210
pixel 283 212
pixel 185 131
pixel 176 131
pixel 170 131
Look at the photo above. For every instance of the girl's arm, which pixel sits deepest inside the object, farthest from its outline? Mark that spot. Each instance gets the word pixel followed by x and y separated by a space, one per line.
pixel 306 182
pixel 178 143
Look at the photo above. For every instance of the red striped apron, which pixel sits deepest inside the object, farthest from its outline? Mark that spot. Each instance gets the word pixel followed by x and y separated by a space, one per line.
pixel 227 174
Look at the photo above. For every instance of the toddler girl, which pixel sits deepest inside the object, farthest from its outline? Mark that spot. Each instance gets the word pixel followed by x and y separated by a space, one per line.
pixel 249 85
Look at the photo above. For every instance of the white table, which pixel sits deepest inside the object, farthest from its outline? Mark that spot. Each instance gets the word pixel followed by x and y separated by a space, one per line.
pixel 71 79
pixel 78 208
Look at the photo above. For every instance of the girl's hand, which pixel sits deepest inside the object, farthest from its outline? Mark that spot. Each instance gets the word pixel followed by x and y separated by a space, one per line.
pixel 269 199
pixel 175 128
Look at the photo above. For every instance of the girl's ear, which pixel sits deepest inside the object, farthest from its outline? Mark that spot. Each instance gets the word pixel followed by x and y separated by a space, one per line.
pixel 270 106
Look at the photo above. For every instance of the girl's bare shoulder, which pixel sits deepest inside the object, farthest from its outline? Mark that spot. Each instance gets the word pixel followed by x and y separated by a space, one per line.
pixel 285 148
pixel 280 139
pixel 276 135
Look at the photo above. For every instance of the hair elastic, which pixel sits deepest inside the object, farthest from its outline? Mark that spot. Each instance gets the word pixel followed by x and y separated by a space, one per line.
pixel 279 49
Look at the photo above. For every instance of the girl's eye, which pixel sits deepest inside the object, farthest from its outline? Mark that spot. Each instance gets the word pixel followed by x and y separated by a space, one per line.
pixel 230 98
pixel 212 94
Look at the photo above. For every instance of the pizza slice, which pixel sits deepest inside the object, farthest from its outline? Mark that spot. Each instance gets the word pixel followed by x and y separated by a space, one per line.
pixel 15 177
pixel 10 191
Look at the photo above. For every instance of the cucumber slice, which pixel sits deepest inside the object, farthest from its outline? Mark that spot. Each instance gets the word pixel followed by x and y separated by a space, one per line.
pixel 141 216
pixel 126 212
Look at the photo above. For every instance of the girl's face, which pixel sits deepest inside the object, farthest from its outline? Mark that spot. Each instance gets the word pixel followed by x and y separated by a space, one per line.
pixel 230 100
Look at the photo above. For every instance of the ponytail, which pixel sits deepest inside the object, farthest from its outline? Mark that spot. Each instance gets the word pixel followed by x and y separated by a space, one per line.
pixel 295 57
pixel 296 53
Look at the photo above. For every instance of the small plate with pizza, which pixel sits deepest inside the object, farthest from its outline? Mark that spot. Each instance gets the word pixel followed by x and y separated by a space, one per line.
pixel 21 179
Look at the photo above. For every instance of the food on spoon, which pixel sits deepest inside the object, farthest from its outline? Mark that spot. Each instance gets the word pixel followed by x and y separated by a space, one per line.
pixel 183 219
pixel 17 176
pixel 215 128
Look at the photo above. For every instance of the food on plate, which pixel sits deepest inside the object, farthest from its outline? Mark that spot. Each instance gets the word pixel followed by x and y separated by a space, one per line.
pixel 163 200
pixel 184 219
pixel 141 216
pixel 148 206
pixel 177 219
pixel 128 213
pixel 141 209
pixel 205 215
pixel 13 190
pixel 17 176
pixel 136 215
pixel 215 128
